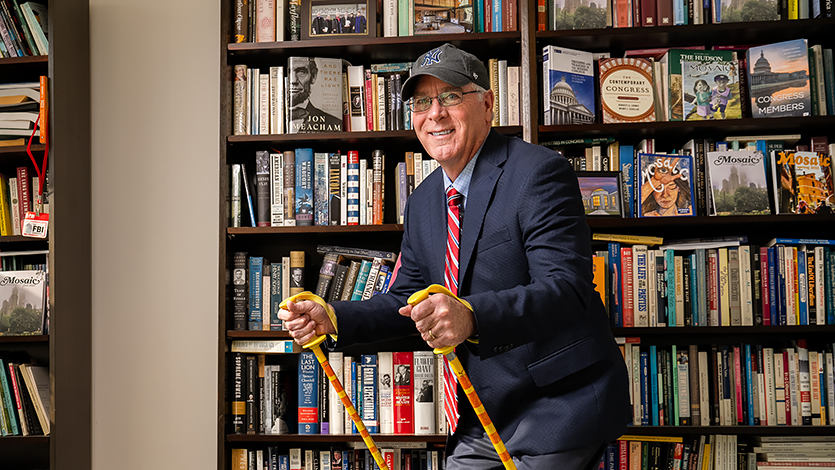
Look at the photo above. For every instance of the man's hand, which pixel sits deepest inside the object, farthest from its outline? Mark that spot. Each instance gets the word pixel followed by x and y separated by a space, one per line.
pixel 306 320
pixel 441 320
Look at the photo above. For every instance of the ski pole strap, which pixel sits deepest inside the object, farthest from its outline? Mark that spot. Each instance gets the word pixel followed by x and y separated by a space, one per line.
pixel 307 295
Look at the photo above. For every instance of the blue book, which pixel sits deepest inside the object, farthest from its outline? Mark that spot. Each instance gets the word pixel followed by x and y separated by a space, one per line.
pixel 284 462
pixel 304 187
pixel 802 287
pixel 497 16
pixel 362 278
pixel 646 400
pixel 749 385
pixel 321 191
pixel 248 197
pixel 627 169
pixel 354 394
pixel 308 393
pixel 829 278
pixel 772 287
pixel 679 12
pixel 701 285
pixel 369 393
pixel 653 383
pixel 275 297
pixel 353 189
pixel 612 462
pixel 669 268
pixel 660 289
pixel 616 309
pixel 800 241
pixel 272 458
pixel 256 277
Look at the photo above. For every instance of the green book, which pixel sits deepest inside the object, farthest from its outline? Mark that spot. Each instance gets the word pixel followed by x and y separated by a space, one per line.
pixel 673 59
pixel 674 373
pixel 362 278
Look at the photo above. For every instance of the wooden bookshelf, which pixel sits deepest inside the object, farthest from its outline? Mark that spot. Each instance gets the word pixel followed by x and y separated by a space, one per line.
pixel 522 48
pixel 67 347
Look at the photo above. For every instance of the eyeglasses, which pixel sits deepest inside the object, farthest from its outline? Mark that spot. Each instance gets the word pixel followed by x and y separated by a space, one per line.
pixel 445 99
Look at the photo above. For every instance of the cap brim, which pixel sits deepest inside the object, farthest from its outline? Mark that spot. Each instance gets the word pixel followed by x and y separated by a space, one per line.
pixel 445 75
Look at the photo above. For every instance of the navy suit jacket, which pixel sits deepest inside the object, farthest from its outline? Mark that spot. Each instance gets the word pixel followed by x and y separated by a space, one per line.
pixel 546 367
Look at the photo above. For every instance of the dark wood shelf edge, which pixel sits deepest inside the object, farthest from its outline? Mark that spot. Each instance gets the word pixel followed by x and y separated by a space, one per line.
pixel 17 440
pixel 711 28
pixel 718 126
pixel 22 148
pixel 429 438
pixel 342 42
pixel 315 229
pixel 25 339
pixel 32 59
pixel 747 430
pixel 726 330
pixel 343 136
pixel 238 334
pixel 747 220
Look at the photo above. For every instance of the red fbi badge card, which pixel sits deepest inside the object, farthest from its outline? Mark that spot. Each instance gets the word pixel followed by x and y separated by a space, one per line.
pixel 35 225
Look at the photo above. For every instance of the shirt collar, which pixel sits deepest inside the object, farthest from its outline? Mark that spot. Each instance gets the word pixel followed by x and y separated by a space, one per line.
pixel 462 183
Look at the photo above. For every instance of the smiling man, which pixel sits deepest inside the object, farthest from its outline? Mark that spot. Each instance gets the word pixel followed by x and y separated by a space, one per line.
pixel 501 225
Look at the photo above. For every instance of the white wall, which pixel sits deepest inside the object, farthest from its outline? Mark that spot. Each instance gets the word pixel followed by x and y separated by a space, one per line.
pixel 155 69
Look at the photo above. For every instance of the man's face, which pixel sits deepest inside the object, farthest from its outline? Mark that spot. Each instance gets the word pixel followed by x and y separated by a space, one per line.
pixel 300 81
pixel 452 135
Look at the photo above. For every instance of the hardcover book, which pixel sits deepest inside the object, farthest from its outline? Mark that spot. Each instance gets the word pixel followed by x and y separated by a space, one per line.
pixel 403 394
pixel 568 85
pixel 304 187
pixel 308 404
pixel 626 90
pixel 315 94
pixel 673 61
pixel 424 375
pixel 778 79
pixel 803 182
pixel 23 297
pixel 738 183
pixel 710 90
pixel 666 185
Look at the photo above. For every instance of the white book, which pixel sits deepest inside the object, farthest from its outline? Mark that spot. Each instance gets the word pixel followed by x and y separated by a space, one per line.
pixel 385 376
pixel 336 411
pixel 280 20
pixel 390 18
pixel 381 101
pixel 596 158
pixel 363 191
pixel 704 391
pixel 779 389
pixel 239 101
pixel 639 285
pixel 277 100
pixel 295 458
pixel 285 277
pixel 790 255
pixel 37 383
pixel 418 158
pixel 259 458
pixel 343 190
pixel 348 385
pixel 324 460
pixel 424 387
pixel 265 346
pixel 637 412
pixel 369 195
pixel 356 93
pixel 15 206
pixel 264 21
pixel 820 297
pixel 513 94
pixel 308 459
pixel 503 93
pixel 627 359
pixel 770 394
pixel 814 382
pixel 792 397
pixel 819 72
pixel 830 389
pixel 652 293
pixel 683 368
pixel 440 414
pixel 746 301
pixel 276 190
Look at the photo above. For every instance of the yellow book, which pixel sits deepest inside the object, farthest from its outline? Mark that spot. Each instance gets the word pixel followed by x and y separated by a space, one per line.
pixel 631 239
pixel 598 267
pixel 5 207
pixel 296 272
pixel 375 119
pixel 724 289
pixel 633 437
pixel 493 69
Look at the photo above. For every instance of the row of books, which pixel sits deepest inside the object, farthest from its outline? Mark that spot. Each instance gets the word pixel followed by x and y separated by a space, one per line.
pixel 556 15
pixel 280 20
pixel 689 285
pixel 259 286
pixel 24 298
pixel 24 29
pixel 303 187
pixel 393 392
pixel 24 398
pixel 18 195
pixel 314 94
pixel 719 452
pixel 397 455
pixel 22 105
pixel 730 385
pixel 789 78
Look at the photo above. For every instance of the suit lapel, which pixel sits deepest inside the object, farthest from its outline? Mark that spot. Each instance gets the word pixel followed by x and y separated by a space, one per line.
pixel 437 229
pixel 486 174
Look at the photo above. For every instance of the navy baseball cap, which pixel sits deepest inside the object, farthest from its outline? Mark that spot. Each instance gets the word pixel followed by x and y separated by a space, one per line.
pixel 449 64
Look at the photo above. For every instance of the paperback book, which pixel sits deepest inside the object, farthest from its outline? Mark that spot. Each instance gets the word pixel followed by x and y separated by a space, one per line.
pixel 710 90
pixel 23 296
pixel 666 188
pixel 568 83
pixel 315 93
pixel 778 79
pixel 738 182
pixel 803 182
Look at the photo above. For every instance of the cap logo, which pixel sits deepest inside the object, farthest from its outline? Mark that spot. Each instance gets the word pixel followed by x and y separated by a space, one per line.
pixel 432 57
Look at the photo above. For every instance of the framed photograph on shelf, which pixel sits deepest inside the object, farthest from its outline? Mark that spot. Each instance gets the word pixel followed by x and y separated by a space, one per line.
pixel 338 19
pixel 601 192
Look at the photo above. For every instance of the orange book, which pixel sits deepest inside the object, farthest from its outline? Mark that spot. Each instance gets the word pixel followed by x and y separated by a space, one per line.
pixel 43 119
pixel 626 286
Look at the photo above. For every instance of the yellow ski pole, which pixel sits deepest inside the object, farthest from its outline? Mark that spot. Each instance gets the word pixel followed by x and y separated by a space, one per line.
pixel 313 345
pixel 464 380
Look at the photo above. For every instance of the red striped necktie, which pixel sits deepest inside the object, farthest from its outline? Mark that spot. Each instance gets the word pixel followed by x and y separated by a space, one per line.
pixel 454 200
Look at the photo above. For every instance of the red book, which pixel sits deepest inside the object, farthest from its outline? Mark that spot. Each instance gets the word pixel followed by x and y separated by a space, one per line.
pixel 623 455
pixel 764 280
pixel 788 401
pixel 664 13
pixel 713 288
pixel 488 16
pixel 738 384
pixel 404 422
pixel 369 102
pixel 648 8
pixel 509 20
pixel 24 195
pixel 622 13
pixel 626 279
pixel 541 16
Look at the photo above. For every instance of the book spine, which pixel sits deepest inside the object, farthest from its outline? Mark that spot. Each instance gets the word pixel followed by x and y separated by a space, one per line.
pixel 289 197
pixel 294 8
pixel 15 206
pixel 256 266
pixel 321 205
pixel 240 291
pixel 251 424
pixel 308 394
pixel 262 188
pixel 369 415
pixel 304 187
pixel 424 396
pixel 639 282
pixel 276 275
pixel 626 286
pixel 403 394
pixel 239 100
pixel 326 274
pixel 616 302
pixel 368 93
pixel 296 272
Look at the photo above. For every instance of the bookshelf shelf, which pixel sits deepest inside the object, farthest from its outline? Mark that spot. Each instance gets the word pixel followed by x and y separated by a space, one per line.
pixel 37 59
pixel 383 137
pixel 24 339
pixel 235 334
pixel 324 438
pixel 398 228
pixel 747 430
pixel 708 331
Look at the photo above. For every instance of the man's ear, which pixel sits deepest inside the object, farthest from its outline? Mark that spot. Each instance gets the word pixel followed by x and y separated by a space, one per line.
pixel 489 98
